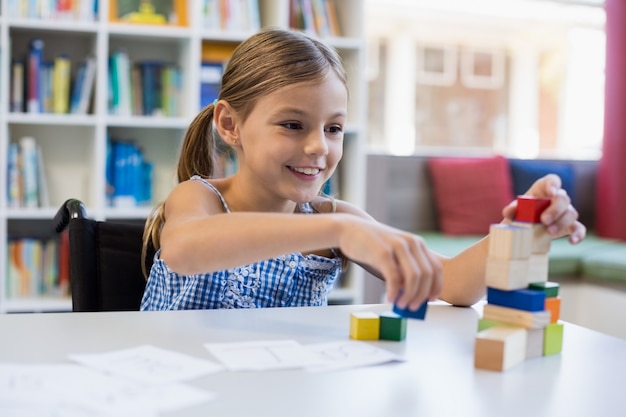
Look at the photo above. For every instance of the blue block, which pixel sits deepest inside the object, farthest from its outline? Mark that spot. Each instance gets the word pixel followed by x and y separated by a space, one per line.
pixel 420 313
pixel 527 300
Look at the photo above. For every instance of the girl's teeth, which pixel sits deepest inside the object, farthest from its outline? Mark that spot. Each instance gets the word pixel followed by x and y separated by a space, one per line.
pixel 307 171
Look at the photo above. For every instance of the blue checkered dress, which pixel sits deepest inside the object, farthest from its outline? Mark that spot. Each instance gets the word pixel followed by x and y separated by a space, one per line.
pixel 286 281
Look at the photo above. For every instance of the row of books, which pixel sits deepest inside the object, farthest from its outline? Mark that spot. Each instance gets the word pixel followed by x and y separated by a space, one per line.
pixel 41 86
pixel 231 15
pixel 83 10
pixel 38 267
pixel 26 177
pixel 148 88
pixel 128 175
pixel 315 16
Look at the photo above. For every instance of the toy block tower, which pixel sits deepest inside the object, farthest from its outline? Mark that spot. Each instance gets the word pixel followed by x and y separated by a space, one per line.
pixel 520 319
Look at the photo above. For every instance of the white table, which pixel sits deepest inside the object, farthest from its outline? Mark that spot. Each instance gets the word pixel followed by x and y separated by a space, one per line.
pixel 438 379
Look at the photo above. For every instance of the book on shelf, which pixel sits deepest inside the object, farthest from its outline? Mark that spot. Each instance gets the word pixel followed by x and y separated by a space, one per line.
pixel 128 175
pixel 148 87
pixel 17 87
pixel 210 81
pixel 82 88
pixel 60 87
pixel 120 88
pixel 314 16
pixel 26 177
pixel 151 87
pixel 172 87
pixel 14 176
pixel 34 268
pixel 28 152
pixel 46 87
pixel 83 10
pixel 35 58
pixel 231 15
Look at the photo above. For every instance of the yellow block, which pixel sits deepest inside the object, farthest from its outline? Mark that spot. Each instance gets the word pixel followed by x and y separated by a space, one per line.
pixel 364 326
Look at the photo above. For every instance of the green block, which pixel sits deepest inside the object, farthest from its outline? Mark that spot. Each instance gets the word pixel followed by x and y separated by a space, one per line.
pixel 553 340
pixel 392 326
pixel 550 288
pixel 484 324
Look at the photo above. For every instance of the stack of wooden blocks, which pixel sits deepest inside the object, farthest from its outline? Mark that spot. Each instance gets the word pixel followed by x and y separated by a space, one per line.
pixel 520 319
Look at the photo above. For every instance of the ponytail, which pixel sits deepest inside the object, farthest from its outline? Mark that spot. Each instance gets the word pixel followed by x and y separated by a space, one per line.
pixel 197 151
pixel 196 158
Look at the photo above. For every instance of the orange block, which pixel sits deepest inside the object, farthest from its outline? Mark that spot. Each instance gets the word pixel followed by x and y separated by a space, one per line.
pixel 553 304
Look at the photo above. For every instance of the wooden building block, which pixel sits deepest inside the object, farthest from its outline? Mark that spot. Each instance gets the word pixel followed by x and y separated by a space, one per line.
pixel 499 348
pixel 419 314
pixel 550 288
pixel 509 242
pixel 534 343
pixel 553 339
pixel 392 326
pixel 484 324
pixel 538 267
pixel 529 209
pixel 364 325
pixel 553 305
pixel 541 241
pixel 515 317
pixel 507 274
pixel 528 300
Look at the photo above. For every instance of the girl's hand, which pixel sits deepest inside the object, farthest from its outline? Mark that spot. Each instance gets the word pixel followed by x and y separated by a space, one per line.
pixel 560 218
pixel 413 274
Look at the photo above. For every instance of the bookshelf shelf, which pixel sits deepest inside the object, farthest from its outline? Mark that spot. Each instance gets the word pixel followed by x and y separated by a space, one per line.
pixel 74 146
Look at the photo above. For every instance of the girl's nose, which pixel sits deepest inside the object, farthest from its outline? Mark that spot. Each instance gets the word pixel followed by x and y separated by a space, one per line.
pixel 316 144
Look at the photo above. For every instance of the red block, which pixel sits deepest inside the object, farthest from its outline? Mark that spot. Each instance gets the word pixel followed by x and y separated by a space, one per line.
pixel 529 209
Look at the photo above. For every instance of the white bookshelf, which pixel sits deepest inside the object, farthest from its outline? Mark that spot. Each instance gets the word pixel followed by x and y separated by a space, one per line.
pixel 74 146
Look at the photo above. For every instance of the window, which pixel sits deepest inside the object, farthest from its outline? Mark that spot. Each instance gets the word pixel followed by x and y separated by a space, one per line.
pixel 518 77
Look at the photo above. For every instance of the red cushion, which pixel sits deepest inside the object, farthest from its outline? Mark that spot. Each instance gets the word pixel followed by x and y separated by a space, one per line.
pixel 470 193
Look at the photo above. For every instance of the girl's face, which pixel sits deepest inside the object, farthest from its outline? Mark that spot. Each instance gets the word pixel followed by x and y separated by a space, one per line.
pixel 292 141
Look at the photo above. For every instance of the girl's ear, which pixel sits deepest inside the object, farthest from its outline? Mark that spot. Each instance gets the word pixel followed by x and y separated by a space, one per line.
pixel 226 122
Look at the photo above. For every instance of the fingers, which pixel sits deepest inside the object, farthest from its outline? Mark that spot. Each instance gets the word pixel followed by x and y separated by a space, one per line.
pixel 419 275
pixel 577 233
pixel 560 218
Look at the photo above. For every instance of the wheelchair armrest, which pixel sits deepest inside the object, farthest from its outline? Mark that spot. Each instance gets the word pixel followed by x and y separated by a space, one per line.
pixel 71 209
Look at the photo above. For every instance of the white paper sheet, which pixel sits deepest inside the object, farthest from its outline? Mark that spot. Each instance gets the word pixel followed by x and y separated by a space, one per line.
pixel 263 355
pixel 149 364
pixel 282 354
pixel 349 354
pixel 67 390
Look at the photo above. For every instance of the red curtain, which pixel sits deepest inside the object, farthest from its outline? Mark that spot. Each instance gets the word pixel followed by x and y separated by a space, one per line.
pixel 611 186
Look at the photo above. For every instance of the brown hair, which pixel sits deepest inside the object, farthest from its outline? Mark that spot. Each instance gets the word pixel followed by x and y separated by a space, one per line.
pixel 265 62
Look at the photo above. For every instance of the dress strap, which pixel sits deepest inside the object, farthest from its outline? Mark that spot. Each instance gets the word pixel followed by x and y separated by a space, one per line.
pixel 212 187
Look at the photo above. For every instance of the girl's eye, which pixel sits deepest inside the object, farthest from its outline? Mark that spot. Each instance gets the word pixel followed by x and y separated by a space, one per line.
pixel 334 129
pixel 292 125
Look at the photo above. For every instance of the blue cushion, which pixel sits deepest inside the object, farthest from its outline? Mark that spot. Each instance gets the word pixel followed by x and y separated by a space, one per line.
pixel 525 172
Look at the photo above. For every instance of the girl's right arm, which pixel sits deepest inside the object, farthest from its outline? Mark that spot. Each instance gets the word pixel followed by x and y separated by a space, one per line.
pixel 198 237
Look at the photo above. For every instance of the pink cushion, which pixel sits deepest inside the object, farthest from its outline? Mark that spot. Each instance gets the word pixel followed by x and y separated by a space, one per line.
pixel 470 193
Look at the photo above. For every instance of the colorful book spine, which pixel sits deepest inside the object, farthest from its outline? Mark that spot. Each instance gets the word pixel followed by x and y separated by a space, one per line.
pixel 210 81
pixel 82 89
pixel 28 149
pixel 14 177
pixel 129 175
pixel 17 86
pixel 151 87
pixel 61 84
pixel 35 57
